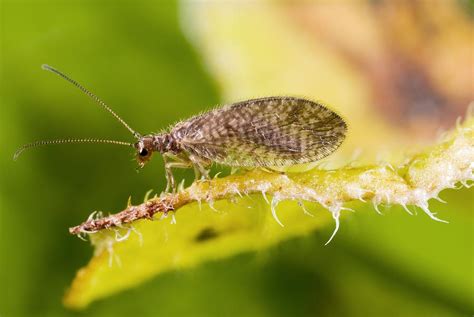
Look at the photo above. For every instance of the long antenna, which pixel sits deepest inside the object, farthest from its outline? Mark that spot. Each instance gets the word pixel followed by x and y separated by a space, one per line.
pixel 61 141
pixel 91 95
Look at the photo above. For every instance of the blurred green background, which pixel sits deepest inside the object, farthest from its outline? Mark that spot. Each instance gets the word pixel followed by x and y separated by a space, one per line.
pixel 135 56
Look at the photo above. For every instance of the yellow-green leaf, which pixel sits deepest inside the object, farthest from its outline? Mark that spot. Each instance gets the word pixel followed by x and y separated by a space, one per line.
pixel 250 211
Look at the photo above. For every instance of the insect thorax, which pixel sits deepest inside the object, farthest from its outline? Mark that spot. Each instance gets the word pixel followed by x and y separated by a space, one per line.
pixel 166 143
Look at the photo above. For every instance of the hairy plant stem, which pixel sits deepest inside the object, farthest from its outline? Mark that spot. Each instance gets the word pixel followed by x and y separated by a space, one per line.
pixel 413 183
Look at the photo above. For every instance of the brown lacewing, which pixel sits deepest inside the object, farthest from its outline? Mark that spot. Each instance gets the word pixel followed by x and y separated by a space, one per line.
pixel 263 132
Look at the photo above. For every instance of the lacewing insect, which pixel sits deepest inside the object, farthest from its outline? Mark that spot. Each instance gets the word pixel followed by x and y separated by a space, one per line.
pixel 264 132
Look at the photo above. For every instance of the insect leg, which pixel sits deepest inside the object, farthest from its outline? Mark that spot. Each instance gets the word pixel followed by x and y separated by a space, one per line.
pixel 197 173
pixel 271 170
pixel 170 181
pixel 199 169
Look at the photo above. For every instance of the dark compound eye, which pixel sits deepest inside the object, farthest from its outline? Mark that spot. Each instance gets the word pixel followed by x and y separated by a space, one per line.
pixel 143 152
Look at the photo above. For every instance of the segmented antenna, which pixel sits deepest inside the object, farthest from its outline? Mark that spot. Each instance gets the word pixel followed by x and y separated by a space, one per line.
pixel 91 95
pixel 61 141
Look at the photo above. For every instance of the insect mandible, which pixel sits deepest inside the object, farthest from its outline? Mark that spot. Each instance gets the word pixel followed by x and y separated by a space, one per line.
pixel 264 132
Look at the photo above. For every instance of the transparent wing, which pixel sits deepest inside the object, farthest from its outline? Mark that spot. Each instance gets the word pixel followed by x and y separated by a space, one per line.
pixel 272 131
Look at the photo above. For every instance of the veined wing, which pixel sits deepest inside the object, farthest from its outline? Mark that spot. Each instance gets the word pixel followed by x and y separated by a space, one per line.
pixel 272 131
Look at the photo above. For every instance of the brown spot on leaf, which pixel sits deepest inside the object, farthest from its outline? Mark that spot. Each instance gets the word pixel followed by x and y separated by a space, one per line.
pixel 206 234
